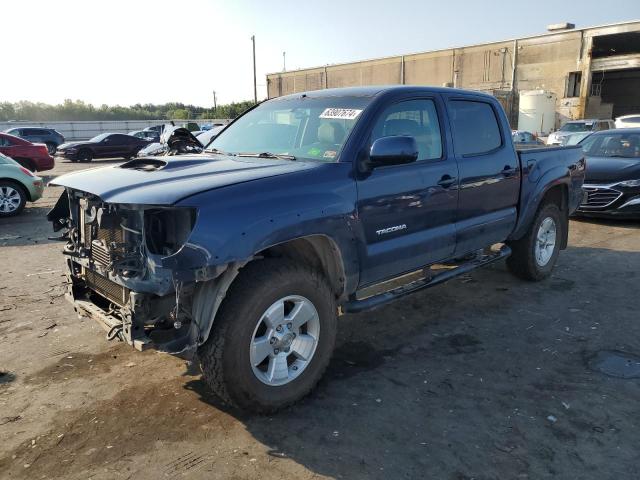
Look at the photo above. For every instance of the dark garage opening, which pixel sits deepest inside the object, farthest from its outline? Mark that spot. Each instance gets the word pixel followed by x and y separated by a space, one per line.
pixel 620 88
pixel 616 44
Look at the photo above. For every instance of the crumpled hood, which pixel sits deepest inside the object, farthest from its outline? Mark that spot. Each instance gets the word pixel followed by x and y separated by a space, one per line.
pixel 166 180
pixel 611 169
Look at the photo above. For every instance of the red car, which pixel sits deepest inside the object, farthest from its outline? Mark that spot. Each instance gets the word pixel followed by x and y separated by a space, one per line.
pixel 33 156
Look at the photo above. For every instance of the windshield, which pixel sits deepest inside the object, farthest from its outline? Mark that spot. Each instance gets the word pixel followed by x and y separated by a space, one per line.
pixel 625 145
pixel 99 138
pixel 576 127
pixel 304 128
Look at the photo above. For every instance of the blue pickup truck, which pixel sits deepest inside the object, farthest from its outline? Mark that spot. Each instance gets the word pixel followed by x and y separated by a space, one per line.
pixel 304 208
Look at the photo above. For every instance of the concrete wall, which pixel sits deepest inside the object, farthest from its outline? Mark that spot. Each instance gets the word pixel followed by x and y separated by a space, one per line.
pixel 86 130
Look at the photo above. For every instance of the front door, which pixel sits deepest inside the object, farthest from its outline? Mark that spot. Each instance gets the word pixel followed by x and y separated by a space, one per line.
pixel 408 211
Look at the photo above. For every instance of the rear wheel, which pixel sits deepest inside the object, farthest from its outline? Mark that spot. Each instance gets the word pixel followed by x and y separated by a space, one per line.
pixel 12 198
pixel 51 148
pixel 272 338
pixel 85 156
pixel 535 254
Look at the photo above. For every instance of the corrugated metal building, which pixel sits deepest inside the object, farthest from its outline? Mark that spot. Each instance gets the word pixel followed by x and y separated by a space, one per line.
pixel 594 72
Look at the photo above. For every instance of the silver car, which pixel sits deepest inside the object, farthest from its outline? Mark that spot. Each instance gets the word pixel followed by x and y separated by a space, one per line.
pixel 576 126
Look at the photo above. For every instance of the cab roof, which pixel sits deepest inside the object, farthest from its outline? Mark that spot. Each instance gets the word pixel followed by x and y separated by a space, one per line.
pixel 372 91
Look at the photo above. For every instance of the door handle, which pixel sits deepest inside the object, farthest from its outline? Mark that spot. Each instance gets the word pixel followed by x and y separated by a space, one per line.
pixel 509 171
pixel 446 181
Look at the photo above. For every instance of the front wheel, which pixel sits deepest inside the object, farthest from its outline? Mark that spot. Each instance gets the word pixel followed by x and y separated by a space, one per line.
pixel 272 338
pixel 535 254
pixel 85 156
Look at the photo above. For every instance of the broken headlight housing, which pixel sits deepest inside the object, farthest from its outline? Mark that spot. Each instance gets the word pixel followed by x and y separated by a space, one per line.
pixel 167 229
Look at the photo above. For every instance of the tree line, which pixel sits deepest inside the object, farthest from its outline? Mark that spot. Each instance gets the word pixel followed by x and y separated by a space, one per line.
pixel 77 110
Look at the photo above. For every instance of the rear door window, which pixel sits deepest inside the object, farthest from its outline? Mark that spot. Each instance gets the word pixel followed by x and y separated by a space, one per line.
pixel 475 127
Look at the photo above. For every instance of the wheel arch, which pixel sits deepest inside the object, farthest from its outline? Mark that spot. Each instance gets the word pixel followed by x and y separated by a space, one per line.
pixel 320 251
pixel 556 191
pixel 559 195
pixel 18 184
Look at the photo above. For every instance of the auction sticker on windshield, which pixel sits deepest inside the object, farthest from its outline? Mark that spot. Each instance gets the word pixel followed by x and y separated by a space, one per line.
pixel 341 113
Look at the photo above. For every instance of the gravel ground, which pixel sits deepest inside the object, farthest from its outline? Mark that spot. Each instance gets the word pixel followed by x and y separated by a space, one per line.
pixel 485 377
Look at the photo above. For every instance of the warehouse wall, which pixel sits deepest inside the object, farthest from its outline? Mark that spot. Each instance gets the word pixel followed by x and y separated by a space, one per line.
pixel 542 62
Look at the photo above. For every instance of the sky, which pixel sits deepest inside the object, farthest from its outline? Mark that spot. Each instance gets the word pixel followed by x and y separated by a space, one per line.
pixel 122 52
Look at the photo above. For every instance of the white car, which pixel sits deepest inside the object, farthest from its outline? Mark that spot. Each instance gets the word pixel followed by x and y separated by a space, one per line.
pixel 628 121
pixel 575 126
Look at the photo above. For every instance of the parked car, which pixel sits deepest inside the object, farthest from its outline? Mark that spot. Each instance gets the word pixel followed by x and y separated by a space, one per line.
pixel 525 139
pixel 207 136
pixel 105 145
pixel 574 126
pixel 35 157
pixel 298 209
pixel 628 121
pixel 174 141
pixel 575 138
pixel 612 182
pixel 209 126
pixel 50 137
pixel 18 186
pixel 155 128
pixel 151 135
pixel 191 126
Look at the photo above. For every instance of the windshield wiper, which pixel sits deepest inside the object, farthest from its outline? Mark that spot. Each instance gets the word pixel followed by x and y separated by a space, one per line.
pixel 218 152
pixel 268 155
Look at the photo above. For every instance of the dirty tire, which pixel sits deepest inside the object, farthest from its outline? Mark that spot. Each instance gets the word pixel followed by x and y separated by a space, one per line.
pixel 225 356
pixel 85 156
pixel 9 187
pixel 522 262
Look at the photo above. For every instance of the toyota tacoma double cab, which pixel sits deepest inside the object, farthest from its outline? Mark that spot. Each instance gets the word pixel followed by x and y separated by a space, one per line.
pixel 304 208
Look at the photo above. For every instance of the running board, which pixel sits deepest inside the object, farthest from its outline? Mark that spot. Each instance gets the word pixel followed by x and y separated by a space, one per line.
pixel 355 306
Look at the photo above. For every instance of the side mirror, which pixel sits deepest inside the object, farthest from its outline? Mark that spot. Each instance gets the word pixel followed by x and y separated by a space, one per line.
pixel 394 150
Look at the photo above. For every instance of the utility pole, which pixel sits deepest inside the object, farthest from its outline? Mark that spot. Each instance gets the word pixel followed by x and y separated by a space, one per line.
pixel 255 86
pixel 215 103
pixel 284 61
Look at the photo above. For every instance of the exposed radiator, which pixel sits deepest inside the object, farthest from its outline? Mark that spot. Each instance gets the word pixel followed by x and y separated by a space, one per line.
pixel 106 288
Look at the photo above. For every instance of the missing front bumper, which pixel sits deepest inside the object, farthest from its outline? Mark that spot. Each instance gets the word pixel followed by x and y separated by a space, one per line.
pixel 141 320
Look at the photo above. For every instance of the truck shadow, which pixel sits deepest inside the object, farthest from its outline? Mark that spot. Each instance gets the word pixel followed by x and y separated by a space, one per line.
pixel 454 382
pixel 30 227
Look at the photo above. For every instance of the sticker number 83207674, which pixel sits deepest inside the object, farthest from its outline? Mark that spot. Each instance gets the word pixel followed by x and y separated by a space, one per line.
pixel 340 113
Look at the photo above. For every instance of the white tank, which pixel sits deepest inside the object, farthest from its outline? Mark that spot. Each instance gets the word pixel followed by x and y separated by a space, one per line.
pixel 537 112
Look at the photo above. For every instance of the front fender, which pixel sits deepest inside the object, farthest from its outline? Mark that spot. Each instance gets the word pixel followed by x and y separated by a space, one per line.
pixel 236 222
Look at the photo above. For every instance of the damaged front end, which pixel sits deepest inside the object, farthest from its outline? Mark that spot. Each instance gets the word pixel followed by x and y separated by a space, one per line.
pixel 124 271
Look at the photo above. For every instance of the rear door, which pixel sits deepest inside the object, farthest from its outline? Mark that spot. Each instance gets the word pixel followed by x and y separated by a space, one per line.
pixel 489 172
pixel 408 211
pixel 106 148
pixel 34 135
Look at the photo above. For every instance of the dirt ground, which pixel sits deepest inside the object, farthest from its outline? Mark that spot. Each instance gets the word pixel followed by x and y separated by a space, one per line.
pixel 486 377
